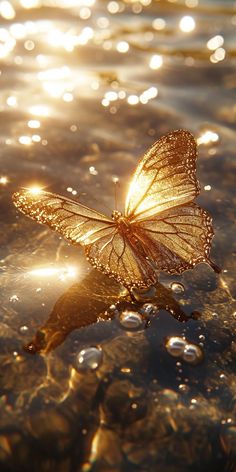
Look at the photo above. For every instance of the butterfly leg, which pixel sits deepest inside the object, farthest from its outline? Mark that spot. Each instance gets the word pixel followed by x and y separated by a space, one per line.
pixel 215 267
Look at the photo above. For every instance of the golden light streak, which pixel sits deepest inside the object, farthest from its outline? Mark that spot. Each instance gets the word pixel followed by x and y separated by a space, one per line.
pixel 208 137
pixel 18 30
pixel 35 190
pixel 62 273
pixel 34 124
pixel 36 138
pixel 156 61
pixel 27 4
pixel 39 110
pixel 54 89
pixel 11 101
pixel 113 7
pixel 191 3
pixel 122 47
pixel 111 96
pixel 7 43
pixel 148 94
pixel 159 24
pixel 3 180
pixel 25 140
pixel 187 24
pixel 7 11
pixel 55 74
pixel 215 42
pixel 218 55
pixel 68 97
pixel 133 100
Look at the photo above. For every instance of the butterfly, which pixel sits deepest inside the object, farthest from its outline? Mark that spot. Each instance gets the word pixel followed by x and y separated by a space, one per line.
pixel 162 229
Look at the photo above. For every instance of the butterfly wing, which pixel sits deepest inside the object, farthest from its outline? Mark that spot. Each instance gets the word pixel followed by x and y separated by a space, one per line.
pixel 106 249
pixel 117 256
pixel 75 222
pixel 177 239
pixel 165 177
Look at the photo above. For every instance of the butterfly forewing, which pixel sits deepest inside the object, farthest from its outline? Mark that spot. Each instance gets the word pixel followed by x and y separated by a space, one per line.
pixel 177 239
pixel 77 223
pixel 165 177
pixel 162 228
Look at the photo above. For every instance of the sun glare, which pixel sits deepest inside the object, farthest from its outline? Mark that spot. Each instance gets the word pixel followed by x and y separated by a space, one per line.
pixel 62 273
pixel 35 190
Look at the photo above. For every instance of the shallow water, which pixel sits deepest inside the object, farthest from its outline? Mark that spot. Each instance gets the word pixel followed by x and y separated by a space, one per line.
pixel 86 87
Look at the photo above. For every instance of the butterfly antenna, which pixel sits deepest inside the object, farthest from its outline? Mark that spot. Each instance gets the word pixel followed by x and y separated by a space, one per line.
pixel 115 181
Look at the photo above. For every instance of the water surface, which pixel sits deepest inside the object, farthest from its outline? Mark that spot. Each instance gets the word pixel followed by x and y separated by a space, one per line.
pixel 86 87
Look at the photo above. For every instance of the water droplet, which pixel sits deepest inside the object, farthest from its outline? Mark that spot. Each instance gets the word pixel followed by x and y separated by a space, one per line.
pixel 177 287
pixel 23 329
pixel 202 337
pixel 88 359
pixel 14 298
pixel 175 346
pixel 192 354
pixel 130 320
pixel 183 388
pixel 149 309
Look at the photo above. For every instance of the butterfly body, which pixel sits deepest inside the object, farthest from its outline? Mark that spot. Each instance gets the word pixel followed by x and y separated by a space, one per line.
pixel 162 228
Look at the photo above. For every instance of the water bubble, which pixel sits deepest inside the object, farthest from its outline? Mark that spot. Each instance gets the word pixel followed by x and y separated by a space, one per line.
pixel 177 287
pixel 23 329
pixel 130 320
pixel 175 346
pixel 149 309
pixel 202 337
pixel 88 359
pixel 183 388
pixel 14 298
pixel 192 354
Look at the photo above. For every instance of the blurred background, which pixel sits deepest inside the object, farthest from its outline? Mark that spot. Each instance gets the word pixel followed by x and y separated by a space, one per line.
pixel 85 87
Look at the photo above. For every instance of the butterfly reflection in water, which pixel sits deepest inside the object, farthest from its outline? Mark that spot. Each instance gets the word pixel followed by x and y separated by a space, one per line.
pixel 162 229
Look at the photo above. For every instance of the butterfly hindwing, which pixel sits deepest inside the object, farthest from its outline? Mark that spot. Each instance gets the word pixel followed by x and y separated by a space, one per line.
pixel 162 228
pixel 177 239
pixel 116 256
pixel 75 222
pixel 165 176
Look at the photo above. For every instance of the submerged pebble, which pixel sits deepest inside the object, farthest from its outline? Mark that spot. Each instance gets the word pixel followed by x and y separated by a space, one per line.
pixel 88 359
pixel 130 320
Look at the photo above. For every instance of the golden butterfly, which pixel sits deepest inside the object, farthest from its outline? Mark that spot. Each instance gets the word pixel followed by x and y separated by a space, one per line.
pixel 162 229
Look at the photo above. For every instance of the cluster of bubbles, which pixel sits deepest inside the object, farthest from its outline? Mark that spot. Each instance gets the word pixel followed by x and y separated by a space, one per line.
pixel 179 347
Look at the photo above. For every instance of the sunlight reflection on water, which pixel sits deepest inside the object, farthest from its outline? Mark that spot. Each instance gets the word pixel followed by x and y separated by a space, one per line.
pixel 86 87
